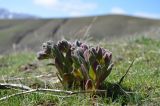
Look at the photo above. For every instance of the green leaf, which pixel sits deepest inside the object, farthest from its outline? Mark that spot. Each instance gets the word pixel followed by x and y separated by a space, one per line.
pixel 76 63
pixel 58 54
pixel 78 74
pixel 92 73
pixel 102 61
pixel 105 72
pixel 59 66
pixel 84 72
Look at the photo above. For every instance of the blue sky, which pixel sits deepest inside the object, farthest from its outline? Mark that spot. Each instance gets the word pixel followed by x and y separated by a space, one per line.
pixel 74 8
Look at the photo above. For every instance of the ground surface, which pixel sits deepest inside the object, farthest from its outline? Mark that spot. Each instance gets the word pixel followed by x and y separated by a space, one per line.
pixel 143 79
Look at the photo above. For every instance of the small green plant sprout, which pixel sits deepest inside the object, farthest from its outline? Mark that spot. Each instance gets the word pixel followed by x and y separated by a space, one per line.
pixel 78 65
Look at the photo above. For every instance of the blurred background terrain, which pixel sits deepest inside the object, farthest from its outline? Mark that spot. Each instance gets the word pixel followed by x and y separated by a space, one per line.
pixel 31 33
pixel 26 25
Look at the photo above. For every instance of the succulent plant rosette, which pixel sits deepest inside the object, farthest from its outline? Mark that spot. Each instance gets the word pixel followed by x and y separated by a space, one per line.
pixel 78 65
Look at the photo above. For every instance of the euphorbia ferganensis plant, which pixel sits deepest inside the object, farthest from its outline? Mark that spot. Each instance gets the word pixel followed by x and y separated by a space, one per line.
pixel 78 64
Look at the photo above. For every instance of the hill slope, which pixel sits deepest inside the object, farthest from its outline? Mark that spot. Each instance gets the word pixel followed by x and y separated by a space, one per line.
pixel 31 33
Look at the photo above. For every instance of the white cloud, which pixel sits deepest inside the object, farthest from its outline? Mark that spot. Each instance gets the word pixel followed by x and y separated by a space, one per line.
pixel 146 15
pixel 117 10
pixel 45 3
pixel 70 7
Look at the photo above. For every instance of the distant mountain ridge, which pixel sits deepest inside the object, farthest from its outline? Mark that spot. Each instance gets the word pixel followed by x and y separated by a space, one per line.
pixel 6 14
pixel 20 34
